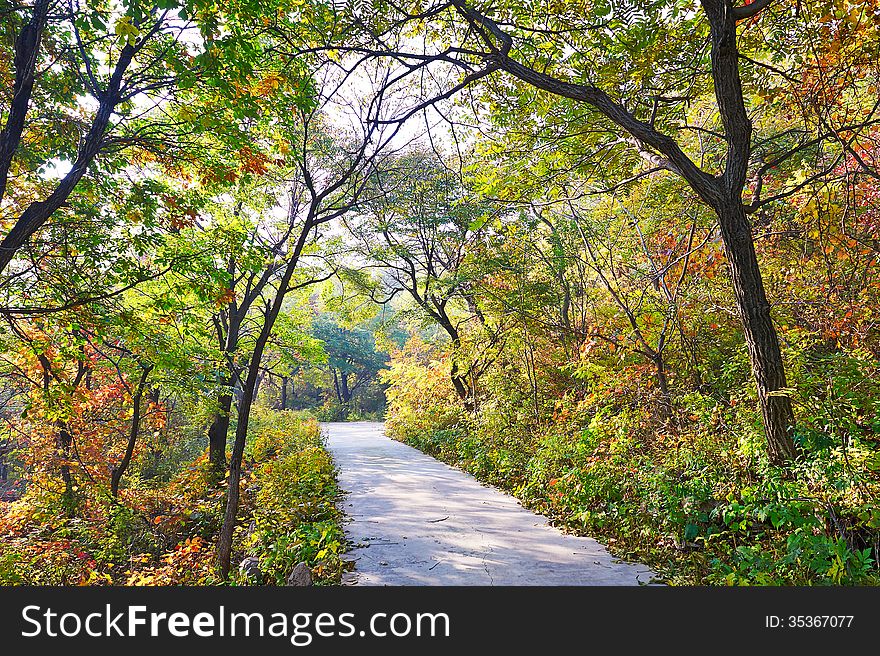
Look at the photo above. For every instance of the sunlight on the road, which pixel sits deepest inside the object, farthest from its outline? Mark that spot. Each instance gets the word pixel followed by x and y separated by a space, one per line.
pixel 417 521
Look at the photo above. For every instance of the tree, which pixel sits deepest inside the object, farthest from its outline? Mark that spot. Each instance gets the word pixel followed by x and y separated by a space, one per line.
pixel 59 54
pixel 645 52
pixel 330 174
pixel 352 357
pixel 419 231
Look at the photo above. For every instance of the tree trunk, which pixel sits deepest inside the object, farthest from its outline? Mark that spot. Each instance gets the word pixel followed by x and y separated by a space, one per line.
pixel 119 470
pixel 284 392
pixel 663 386
pixel 760 334
pixel 343 387
pixel 219 429
pixel 224 542
pixel 460 384
pixel 27 49
pixel 217 434
pixel 65 441
pixel 233 492
pixel 336 387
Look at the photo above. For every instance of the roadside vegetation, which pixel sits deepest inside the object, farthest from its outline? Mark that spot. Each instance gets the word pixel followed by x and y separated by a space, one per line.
pixel 162 529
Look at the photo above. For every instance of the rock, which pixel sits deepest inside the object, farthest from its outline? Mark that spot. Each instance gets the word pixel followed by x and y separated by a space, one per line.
pixel 301 575
pixel 250 567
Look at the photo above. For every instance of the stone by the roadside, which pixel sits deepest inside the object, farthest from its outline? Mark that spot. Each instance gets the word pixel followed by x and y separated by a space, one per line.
pixel 301 575
pixel 250 567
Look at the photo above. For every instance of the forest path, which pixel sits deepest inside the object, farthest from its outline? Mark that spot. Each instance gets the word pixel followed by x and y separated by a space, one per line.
pixel 416 521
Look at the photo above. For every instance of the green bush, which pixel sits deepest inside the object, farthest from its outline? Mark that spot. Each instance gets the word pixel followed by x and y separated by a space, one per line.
pixel 294 516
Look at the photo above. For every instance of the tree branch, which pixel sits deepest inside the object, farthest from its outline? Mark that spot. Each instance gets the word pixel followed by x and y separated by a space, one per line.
pixel 750 10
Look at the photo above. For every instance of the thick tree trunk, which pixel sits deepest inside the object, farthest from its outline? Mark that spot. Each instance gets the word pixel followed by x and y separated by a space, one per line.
pixel 217 434
pixel 343 387
pixel 760 334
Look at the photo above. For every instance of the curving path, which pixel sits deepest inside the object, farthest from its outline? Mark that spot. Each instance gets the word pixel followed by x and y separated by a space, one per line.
pixel 416 521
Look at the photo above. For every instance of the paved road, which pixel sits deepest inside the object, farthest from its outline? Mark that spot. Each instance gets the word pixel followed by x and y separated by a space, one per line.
pixel 417 521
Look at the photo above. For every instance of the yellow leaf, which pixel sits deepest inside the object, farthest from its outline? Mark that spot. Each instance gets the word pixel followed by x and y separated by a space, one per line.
pixel 126 30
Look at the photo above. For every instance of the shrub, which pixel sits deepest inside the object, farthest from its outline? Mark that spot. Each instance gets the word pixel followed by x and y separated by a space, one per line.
pixel 163 531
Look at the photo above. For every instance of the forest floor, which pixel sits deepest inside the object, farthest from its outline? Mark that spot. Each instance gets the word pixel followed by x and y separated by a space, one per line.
pixel 413 520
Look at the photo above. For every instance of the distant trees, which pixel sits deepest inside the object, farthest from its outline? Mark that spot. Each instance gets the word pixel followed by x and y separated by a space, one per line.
pixel 352 357
pixel 420 231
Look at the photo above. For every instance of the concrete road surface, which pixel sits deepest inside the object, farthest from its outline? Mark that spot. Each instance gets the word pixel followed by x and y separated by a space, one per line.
pixel 416 521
